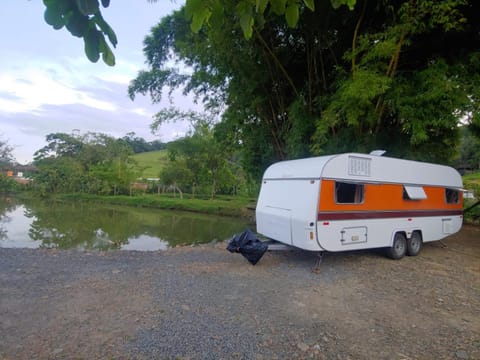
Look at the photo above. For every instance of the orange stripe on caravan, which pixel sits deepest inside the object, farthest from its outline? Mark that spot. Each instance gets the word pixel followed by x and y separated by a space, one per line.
pixel 386 197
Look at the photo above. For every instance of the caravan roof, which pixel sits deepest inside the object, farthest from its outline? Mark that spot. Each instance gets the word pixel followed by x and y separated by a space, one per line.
pixel 365 168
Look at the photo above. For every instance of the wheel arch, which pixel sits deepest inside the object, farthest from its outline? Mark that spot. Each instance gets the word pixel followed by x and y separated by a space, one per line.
pixel 398 231
pixel 418 231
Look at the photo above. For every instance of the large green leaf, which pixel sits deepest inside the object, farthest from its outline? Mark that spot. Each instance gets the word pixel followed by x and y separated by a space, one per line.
pixel 292 14
pixel 106 29
pixel 199 18
pixel 92 44
pixel 278 6
pixel 54 17
pixel 337 3
pixel 261 6
pixel 245 14
pixel 107 54
pixel 351 4
pixel 88 7
pixel 77 24
pixel 198 11
pixel 217 17
pixel 310 4
pixel 246 22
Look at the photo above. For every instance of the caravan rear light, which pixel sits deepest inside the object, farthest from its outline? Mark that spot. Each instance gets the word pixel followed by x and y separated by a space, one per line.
pixel 326 223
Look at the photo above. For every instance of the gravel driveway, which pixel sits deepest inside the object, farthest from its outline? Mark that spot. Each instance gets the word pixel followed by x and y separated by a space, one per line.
pixel 204 303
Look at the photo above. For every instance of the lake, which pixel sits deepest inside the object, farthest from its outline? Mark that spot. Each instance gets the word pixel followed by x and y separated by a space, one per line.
pixel 89 226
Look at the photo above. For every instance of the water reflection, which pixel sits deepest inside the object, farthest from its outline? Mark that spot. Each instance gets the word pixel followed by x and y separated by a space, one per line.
pixel 93 226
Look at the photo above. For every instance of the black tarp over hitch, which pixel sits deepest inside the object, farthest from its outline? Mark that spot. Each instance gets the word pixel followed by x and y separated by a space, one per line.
pixel 248 245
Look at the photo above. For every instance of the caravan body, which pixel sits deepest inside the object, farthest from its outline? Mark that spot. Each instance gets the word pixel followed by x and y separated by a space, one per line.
pixel 357 201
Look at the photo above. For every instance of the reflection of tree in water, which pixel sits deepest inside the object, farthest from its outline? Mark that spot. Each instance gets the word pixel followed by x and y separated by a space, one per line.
pixel 7 204
pixel 78 226
pixel 94 226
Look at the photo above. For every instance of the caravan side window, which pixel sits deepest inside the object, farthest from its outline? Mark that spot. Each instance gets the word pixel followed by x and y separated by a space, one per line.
pixel 349 193
pixel 452 196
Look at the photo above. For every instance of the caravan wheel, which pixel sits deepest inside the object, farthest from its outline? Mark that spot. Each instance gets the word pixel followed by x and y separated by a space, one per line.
pixel 399 247
pixel 414 244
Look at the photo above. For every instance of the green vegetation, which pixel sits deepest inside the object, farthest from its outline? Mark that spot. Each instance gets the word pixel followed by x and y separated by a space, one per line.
pixel 222 205
pixel 84 18
pixel 140 145
pixel 472 182
pixel 398 76
pixel 473 178
pixel 280 80
pixel 98 164
pixel 151 163
pixel 92 163
pixel 468 151
pixel 6 183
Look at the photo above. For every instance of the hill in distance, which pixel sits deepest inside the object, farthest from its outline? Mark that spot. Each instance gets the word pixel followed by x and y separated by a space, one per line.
pixel 151 162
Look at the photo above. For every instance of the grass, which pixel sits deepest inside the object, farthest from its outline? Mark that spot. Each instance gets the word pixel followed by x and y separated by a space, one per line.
pixel 151 162
pixel 473 178
pixel 236 206
pixel 472 182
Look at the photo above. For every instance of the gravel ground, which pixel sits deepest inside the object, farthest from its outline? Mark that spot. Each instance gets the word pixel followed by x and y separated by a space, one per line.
pixel 205 303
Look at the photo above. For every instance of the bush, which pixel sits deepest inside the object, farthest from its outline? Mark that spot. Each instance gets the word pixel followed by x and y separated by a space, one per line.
pixel 7 184
pixel 472 215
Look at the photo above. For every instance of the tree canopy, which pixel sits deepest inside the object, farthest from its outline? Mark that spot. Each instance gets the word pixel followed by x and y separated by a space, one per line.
pixel 5 152
pixel 199 162
pixel 6 158
pixel 84 19
pixel 90 163
pixel 296 78
pixel 397 75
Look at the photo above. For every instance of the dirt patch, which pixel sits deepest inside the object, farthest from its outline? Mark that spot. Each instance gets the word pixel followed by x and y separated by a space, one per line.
pixel 205 303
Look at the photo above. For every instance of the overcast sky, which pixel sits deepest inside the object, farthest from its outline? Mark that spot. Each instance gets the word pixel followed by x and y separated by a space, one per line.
pixel 48 85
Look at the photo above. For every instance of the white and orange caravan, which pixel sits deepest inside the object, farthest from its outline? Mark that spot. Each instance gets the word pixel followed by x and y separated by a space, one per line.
pixel 358 201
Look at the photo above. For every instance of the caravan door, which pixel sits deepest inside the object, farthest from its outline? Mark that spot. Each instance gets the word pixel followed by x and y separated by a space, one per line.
pixel 287 211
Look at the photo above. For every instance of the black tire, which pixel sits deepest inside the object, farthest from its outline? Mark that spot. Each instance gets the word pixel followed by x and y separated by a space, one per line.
pixel 414 244
pixel 399 247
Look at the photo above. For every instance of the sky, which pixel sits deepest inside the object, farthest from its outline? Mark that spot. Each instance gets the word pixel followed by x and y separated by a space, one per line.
pixel 47 84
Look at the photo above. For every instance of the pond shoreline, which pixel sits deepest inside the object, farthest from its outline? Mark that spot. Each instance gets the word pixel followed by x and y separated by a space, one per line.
pixel 223 206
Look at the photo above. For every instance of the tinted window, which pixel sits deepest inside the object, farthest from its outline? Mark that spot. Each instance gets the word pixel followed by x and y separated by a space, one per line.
pixel 452 196
pixel 348 193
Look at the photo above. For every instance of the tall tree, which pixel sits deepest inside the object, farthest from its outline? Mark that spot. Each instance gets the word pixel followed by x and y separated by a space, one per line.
pixel 199 158
pixel 396 75
pixel 91 163
pixel 5 151
pixel 6 158
pixel 403 85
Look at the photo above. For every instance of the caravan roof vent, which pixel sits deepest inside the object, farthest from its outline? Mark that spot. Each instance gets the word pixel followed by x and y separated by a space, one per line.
pixel 377 152
pixel 358 166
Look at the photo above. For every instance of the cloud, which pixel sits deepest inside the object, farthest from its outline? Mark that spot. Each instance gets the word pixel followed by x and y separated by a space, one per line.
pixel 37 99
pixel 32 87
